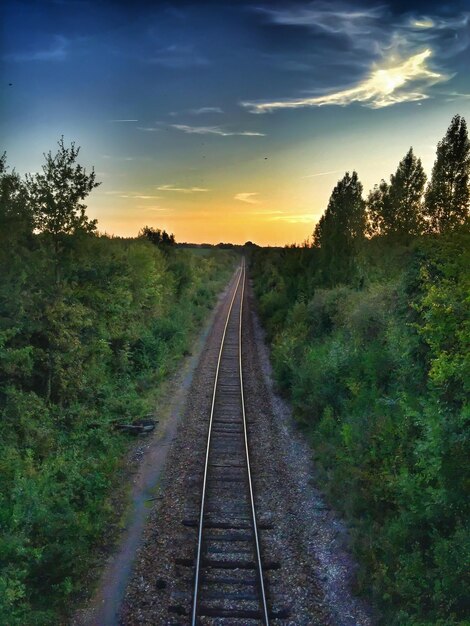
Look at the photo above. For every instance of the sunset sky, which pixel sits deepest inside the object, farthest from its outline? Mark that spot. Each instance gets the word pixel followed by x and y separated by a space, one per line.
pixel 226 121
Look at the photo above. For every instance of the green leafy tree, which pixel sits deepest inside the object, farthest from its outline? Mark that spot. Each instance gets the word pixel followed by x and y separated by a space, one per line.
pixel 378 209
pixel 16 219
pixel 341 229
pixel 56 195
pixel 397 208
pixel 447 198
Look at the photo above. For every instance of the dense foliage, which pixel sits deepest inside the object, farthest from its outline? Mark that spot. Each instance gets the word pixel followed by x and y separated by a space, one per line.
pixel 89 327
pixel 376 364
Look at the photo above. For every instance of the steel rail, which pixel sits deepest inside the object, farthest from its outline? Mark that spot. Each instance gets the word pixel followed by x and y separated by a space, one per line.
pixel 259 568
pixel 206 464
pixel 252 499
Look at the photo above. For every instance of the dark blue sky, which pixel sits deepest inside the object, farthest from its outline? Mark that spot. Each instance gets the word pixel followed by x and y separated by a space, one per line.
pixel 229 120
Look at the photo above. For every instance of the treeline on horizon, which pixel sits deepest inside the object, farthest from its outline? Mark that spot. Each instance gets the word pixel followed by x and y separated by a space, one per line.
pixel 370 331
pixel 90 327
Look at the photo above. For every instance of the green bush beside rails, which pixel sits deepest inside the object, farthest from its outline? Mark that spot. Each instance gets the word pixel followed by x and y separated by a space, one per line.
pixel 75 356
pixel 378 374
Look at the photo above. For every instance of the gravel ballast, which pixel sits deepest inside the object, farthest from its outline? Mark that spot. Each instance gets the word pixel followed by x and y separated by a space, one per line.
pixel 305 536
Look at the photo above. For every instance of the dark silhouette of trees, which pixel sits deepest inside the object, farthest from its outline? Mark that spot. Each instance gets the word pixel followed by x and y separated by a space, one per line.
pixel 448 194
pixel 341 229
pixel 157 237
pixel 397 208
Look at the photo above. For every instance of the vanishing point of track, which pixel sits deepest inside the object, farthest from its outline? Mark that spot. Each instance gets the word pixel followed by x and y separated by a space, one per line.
pixel 228 579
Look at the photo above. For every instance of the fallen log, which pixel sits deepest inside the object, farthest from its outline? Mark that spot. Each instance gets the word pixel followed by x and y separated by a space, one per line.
pixel 139 428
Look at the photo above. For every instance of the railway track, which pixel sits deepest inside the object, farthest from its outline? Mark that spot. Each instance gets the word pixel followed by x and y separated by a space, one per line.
pixel 229 578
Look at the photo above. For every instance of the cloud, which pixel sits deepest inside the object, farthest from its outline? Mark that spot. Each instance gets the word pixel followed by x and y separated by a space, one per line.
pixel 299 218
pixel 134 195
pixel 214 130
pixel 142 207
pixel 176 57
pixel 204 110
pixel 148 129
pixel 324 173
pixel 247 196
pixel 56 52
pixel 119 121
pixel 181 189
pixel 383 53
pixel 327 17
pixel 404 82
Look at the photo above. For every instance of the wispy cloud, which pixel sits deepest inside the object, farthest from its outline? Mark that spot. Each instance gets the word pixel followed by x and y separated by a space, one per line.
pixel 148 129
pixel 176 57
pixel 126 194
pixel 247 196
pixel 119 121
pixel 118 158
pixel 143 207
pixel 181 189
pixel 57 51
pixel 204 110
pixel 299 218
pixel 324 173
pixel 137 196
pixel 451 96
pixel 403 82
pixel 330 17
pixel 214 130
pixel 374 29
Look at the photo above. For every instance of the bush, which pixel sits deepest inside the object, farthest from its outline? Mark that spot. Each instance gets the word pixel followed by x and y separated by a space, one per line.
pixel 378 377
pixel 78 350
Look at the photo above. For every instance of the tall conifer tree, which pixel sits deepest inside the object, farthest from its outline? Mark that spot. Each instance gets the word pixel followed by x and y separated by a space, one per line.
pixel 448 194
pixel 341 229
pixel 397 208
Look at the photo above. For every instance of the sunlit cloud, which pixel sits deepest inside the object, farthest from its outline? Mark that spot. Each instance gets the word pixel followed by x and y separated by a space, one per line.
pixel 214 130
pixel 56 52
pixel 300 218
pixel 148 129
pixel 136 196
pixel 181 189
pixel 247 196
pixel 405 82
pixel 422 23
pixel 143 207
pixel 390 55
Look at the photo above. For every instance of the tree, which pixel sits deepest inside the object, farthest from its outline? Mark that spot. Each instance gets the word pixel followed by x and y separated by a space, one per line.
pixel 397 208
pixel 447 197
pixel 378 209
pixel 16 219
pixel 157 237
pixel 341 229
pixel 56 195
